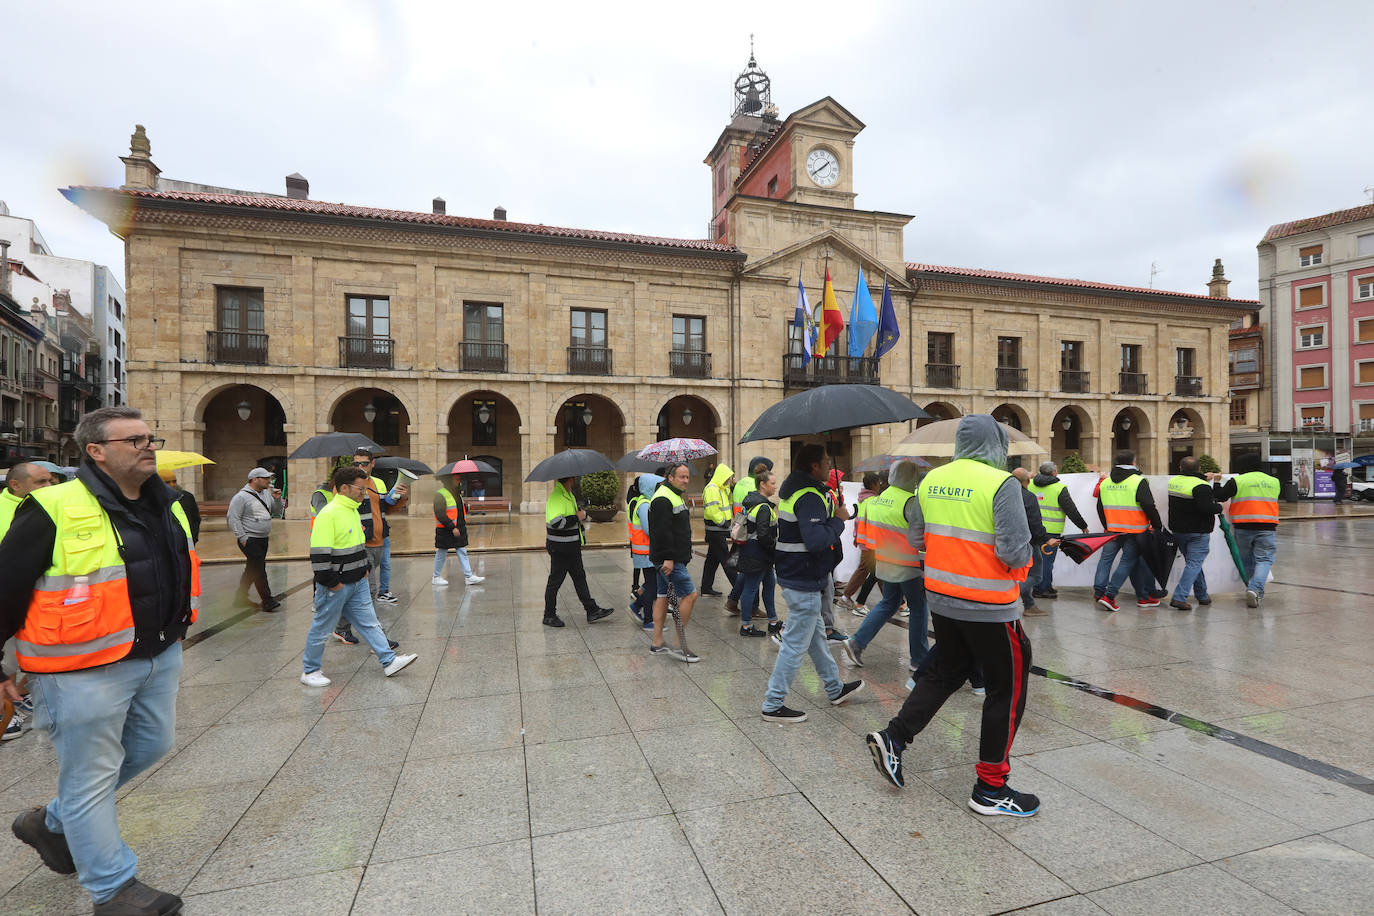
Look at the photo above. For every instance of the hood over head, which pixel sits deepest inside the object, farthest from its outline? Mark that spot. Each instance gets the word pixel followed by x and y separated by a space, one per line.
pixel 722 474
pixel 648 483
pixel 981 438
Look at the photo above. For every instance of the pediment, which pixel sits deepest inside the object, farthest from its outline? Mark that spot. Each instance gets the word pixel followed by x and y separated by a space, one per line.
pixel 782 263
pixel 829 113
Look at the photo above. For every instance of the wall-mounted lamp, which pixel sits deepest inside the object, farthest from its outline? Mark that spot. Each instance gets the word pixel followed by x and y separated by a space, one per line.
pixel 370 412
pixel 687 416
pixel 245 410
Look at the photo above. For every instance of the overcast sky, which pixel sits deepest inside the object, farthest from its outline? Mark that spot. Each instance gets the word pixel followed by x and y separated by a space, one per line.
pixel 1072 139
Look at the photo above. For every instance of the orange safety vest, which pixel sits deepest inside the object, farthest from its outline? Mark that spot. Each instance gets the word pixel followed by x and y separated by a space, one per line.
pixel 960 536
pixel 1256 500
pixel 887 527
pixel 639 537
pixel 863 531
pixel 1120 506
pixel 451 509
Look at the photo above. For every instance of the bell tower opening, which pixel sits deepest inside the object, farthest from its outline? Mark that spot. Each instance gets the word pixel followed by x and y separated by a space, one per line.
pixel 753 121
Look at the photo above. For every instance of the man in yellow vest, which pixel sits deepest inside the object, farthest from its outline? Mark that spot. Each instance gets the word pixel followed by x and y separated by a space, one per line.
pixel 1254 515
pixel 98 586
pixel 1056 504
pixel 1125 504
pixel 670 550
pixel 717 512
pixel 758 465
pixel 1193 512
pixel 970 519
pixel 22 479
pixel 563 539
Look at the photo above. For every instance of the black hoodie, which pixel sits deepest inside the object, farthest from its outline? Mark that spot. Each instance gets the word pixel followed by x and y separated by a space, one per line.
pixel 670 533
pixel 1143 496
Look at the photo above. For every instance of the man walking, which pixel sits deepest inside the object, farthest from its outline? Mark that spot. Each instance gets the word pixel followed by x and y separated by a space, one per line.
pixel 717 513
pixel 1254 513
pixel 670 550
pixel 22 479
pixel 339 561
pixel 111 549
pixel 970 518
pixel 1055 504
pixel 563 539
pixel 1125 504
pixel 1193 510
pixel 758 465
pixel 1040 538
pixel 376 536
pixel 250 518
pixel 810 526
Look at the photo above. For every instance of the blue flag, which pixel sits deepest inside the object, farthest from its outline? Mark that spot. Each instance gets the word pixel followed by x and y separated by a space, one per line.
pixel 863 321
pixel 888 332
pixel 802 320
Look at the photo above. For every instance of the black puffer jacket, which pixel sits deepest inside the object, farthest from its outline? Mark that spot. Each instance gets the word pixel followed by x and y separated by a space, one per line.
pixel 757 554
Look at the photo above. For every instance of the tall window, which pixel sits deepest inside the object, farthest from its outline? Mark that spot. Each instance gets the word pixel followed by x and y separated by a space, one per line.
pixel 1364 288
pixel 588 328
pixel 1008 353
pixel 794 338
pixel 1238 413
pixel 483 422
pixel 1312 377
pixel 1313 416
pixel 1184 358
pixel 369 316
pixel 1130 357
pixel 689 333
pixel 1071 355
pixel 940 348
pixel 484 322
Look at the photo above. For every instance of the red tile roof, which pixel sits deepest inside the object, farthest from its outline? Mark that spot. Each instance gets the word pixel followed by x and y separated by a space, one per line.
pixel 1282 230
pixel 979 273
pixel 323 208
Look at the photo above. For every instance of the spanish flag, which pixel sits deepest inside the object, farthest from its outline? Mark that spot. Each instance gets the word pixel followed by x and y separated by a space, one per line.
pixel 832 319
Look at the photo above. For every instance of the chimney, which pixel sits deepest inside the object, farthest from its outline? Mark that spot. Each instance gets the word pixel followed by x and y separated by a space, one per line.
pixel 440 206
pixel 499 214
pixel 4 267
pixel 297 188
pixel 139 172
pixel 1218 285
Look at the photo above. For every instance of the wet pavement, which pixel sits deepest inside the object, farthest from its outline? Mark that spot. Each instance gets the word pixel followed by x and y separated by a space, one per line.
pixel 515 768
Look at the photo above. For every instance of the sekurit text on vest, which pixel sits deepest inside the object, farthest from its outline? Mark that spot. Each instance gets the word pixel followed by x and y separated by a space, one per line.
pixel 958 494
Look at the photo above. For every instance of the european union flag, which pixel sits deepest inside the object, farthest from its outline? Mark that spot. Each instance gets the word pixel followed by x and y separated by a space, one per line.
pixel 888 332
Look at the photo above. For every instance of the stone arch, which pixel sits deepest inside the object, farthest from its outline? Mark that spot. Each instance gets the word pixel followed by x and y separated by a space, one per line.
pixel 557 401
pixel 201 395
pixel 1014 416
pixel 237 445
pixel 1130 428
pixel 715 411
pixel 511 393
pixel 1187 434
pixel 939 410
pixel 606 433
pixel 498 439
pixel 390 428
pixel 1077 439
pixel 335 396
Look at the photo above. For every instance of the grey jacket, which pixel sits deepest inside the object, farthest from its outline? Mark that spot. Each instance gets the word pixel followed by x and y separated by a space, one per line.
pixel 980 438
pixel 249 516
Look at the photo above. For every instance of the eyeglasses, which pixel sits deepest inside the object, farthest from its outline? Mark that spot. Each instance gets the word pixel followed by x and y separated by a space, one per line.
pixel 139 442
pixel 361 464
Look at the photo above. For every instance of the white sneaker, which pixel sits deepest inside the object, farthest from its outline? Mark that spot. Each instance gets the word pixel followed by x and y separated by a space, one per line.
pixel 903 614
pixel 438 580
pixel 473 580
pixel 314 679
pixel 859 610
pixel 398 663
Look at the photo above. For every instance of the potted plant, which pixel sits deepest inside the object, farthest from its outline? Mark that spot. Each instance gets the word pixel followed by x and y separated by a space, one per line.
pixel 601 490
pixel 1072 464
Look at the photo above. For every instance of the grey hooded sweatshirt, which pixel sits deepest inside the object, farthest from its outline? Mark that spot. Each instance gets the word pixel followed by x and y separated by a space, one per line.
pixel 980 438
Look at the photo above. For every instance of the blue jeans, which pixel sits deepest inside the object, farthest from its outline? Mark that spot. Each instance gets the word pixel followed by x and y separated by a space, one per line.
pixel 355 604
pixel 804 633
pixel 385 574
pixel 682 582
pixel 441 560
pixel 1105 582
pixel 1256 555
pixel 917 640
pixel 1047 555
pixel 749 596
pixel 107 725
pixel 644 602
pixel 1194 547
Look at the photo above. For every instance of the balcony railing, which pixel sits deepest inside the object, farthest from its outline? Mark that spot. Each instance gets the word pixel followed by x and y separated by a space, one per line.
pixel 481 356
pixel 589 360
pixel 47 434
pixel 43 385
pixel 365 352
pixel 942 375
pixel 689 363
pixel 1188 386
pixel 1011 378
pixel 1314 422
pixel 84 385
pixel 242 347
pixel 1134 382
pixel 828 370
pixel 1075 381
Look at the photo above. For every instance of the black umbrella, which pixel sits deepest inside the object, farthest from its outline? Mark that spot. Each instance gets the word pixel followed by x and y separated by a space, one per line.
pixel 1078 547
pixel 830 408
pixel 1158 550
pixel 402 464
pixel 634 464
pixel 332 445
pixel 573 462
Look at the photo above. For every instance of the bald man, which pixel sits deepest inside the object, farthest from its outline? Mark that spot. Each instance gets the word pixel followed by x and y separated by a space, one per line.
pixel 21 480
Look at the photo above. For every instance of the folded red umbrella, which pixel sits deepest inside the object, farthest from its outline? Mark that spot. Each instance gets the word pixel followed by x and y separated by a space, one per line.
pixel 1078 547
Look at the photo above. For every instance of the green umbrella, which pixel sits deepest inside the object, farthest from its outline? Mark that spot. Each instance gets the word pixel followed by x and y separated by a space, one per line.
pixel 1235 549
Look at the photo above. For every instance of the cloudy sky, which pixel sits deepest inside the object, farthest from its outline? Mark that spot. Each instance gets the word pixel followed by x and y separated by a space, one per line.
pixel 1076 139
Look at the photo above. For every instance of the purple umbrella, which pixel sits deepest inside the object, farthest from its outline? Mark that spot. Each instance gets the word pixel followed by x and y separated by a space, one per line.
pixel 672 451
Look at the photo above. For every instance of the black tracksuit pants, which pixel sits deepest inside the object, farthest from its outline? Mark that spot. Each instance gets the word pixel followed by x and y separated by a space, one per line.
pixel 563 564
pixel 717 546
pixel 1004 653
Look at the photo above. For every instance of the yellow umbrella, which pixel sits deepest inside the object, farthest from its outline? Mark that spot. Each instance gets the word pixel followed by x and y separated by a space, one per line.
pixel 168 460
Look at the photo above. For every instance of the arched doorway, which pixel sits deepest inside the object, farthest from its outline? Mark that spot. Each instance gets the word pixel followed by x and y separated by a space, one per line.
pixel 939 410
pixel 591 421
pixel 1071 433
pixel 688 416
pixel 486 425
pixel 1186 433
pixel 377 414
pixel 1014 417
pixel 245 427
pixel 1129 427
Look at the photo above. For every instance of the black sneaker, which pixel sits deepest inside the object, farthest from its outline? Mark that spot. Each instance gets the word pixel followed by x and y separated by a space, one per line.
pixel 847 691
pixel 393 644
pixel 270 605
pixel 554 621
pixel 784 714
pixel 1003 800
pixel 751 631
pixel 710 593
pixel 31 827
pixel 599 613
pixel 887 757
pixel 345 636
pixel 664 651
pixel 137 897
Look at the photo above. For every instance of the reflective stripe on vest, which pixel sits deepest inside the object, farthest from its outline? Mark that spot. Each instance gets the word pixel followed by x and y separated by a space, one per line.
pixel 752 525
pixel 1120 506
pixel 717 508
pixel 328 495
pixel 561 505
pixel 1256 500
pixel 888 527
pixel 789 530
pixel 1051 513
pixel 863 534
pixel 96 628
pixel 450 509
pixel 639 538
pixel 960 560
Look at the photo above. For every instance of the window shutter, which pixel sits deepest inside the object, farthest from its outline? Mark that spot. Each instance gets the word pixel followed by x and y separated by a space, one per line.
pixel 1309 251
pixel 1309 296
pixel 1367 373
pixel 1312 377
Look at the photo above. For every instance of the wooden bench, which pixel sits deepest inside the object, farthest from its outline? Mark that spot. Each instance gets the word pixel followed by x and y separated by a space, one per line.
pixel 481 505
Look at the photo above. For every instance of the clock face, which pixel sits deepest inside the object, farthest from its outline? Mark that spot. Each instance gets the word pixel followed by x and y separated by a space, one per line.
pixel 823 167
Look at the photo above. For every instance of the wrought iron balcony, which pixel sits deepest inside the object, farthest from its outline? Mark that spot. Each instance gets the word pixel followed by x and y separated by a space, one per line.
pixel 1011 378
pixel 1188 386
pixel 828 370
pixel 366 352
pixel 1075 381
pixel 689 363
pixel 1134 383
pixel 942 375
pixel 71 379
pixel 589 360
pixel 242 347
pixel 480 356
pixel 41 384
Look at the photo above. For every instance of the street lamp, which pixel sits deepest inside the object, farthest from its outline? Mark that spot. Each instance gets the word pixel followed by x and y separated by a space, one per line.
pixel 586 416
pixel 483 415
pixel 19 425
pixel 1067 423
pixel 245 410
pixel 687 416
pixel 370 412
pixel 1125 423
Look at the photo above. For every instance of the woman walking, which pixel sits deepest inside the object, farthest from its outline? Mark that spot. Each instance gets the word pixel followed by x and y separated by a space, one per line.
pixel 756 557
pixel 451 530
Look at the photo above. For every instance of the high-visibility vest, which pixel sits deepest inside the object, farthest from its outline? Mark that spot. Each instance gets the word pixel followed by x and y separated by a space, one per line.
pixel 336 543
pixel 9 504
pixel 328 496
pixel 451 505
pixel 1120 506
pixel 1182 485
pixel 639 536
pixel 677 502
pixel 1050 511
pixel 863 535
pixel 789 531
pixel 887 527
pixel 752 525
pixel 562 505
pixel 716 508
pixel 960 534
pixel 97 628
pixel 1256 500
pixel 742 489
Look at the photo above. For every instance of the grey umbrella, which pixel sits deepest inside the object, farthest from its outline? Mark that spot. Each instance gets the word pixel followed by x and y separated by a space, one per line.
pixel 634 464
pixel 402 464
pixel 332 445
pixel 573 462
pixel 831 408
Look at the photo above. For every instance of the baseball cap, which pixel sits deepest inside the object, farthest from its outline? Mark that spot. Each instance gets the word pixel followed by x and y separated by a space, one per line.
pixel 259 472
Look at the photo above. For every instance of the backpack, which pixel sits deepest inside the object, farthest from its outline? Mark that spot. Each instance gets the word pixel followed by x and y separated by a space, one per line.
pixel 739 528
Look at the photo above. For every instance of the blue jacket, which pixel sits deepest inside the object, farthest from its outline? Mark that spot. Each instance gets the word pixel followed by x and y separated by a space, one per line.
pixel 816 528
